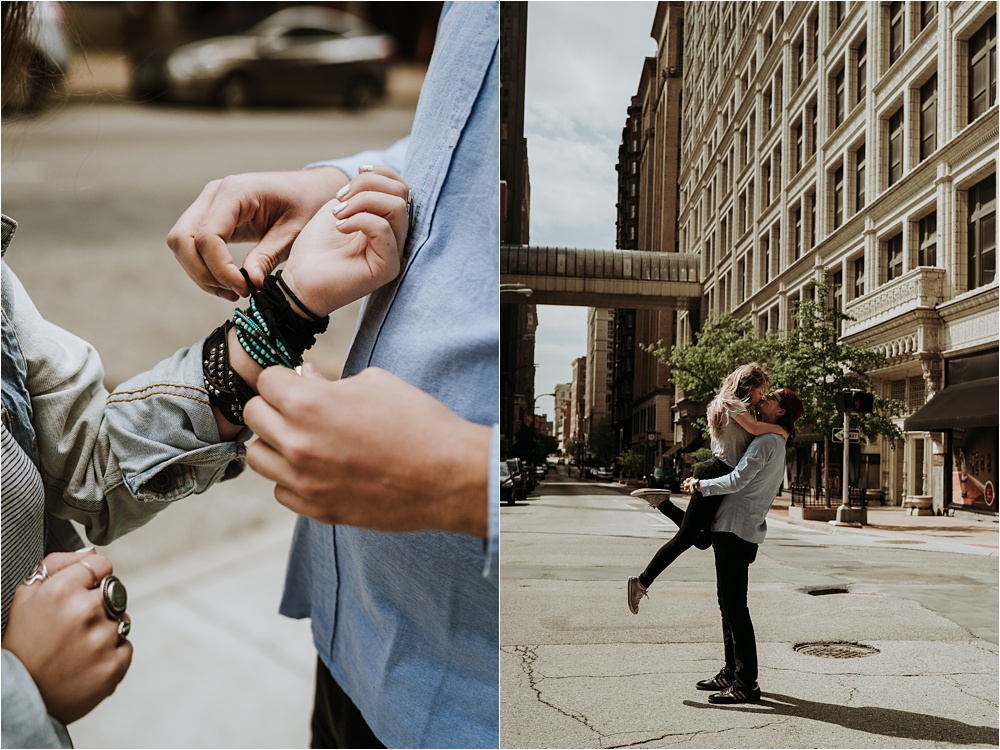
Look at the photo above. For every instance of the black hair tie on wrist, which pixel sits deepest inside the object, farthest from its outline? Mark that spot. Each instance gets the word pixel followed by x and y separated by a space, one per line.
pixel 291 295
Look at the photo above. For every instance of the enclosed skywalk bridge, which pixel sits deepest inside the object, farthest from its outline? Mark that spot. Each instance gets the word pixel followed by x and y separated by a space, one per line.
pixel 600 278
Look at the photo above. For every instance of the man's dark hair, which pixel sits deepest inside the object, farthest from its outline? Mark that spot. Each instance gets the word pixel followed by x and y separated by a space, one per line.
pixel 793 410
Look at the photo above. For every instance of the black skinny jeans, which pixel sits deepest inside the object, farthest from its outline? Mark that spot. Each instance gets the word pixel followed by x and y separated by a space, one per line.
pixel 733 557
pixel 698 517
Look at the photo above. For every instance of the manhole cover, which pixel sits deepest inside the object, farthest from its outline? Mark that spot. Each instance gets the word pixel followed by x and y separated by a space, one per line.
pixel 836 650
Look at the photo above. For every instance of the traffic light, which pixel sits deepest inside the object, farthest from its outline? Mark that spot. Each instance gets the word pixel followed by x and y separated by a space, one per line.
pixel 854 402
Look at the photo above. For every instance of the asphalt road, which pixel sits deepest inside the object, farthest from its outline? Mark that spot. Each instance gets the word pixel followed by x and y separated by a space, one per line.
pixel 579 670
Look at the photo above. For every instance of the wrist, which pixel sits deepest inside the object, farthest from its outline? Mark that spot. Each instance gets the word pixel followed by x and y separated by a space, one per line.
pixel 300 297
pixel 465 502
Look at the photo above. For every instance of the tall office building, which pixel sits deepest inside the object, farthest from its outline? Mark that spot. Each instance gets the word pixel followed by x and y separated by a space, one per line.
pixel 858 140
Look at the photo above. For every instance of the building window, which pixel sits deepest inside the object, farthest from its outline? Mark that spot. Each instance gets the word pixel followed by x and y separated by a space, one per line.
pixel 812 219
pixel 774 320
pixel 768 110
pixel 928 118
pixel 797 240
pixel 800 61
pixel 798 135
pixel 839 12
pixel 895 146
pixel 838 298
pixel 765 259
pixel 897 30
pixel 838 97
pixel 810 115
pixel 894 257
pixel 861 85
pixel 927 237
pixel 838 198
pixel 859 178
pixel 928 12
pixel 983 232
pixel 765 184
pixel 982 69
pixel 859 277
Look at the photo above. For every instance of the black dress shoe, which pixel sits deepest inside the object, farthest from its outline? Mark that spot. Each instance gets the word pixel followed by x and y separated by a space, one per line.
pixel 720 682
pixel 736 694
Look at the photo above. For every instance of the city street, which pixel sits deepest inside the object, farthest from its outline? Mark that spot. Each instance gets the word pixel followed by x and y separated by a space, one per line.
pixel 579 670
pixel 95 187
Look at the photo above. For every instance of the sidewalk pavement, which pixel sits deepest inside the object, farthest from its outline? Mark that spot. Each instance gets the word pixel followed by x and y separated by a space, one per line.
pixel 967 531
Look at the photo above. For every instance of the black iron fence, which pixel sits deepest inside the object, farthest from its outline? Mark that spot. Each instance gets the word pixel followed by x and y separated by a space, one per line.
pixel 806 496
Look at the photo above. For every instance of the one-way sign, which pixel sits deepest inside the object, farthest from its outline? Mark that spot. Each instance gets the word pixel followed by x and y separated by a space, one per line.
pixel 853 436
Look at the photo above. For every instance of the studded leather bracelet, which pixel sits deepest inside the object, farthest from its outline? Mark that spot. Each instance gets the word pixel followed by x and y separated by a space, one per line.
pixel 227 390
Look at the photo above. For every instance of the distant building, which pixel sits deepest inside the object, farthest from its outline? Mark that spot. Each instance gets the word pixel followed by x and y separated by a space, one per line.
pixel 600 328
pixel 858 140
pixel 563 412
pixel 578 395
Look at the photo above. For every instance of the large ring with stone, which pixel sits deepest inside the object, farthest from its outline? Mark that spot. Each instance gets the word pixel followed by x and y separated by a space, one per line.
pixel 115 597
pixel 38 574
pixel 124 628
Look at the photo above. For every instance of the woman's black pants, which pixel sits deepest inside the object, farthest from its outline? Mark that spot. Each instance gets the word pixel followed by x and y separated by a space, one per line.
pixel 698 517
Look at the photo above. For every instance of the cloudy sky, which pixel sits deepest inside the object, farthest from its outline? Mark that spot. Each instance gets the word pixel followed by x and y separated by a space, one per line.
pixel 583 65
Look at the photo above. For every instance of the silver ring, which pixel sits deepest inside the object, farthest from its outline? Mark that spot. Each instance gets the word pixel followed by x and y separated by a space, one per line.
pixel 39 573
pixel 115 597
pixel 124 628
pixel 88 566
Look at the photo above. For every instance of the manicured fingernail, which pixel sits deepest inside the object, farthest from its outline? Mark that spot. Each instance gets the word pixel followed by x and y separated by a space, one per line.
pixel 343 191
pixel 338 208
pixel 85 550
pixel 365 168
pixel 339 222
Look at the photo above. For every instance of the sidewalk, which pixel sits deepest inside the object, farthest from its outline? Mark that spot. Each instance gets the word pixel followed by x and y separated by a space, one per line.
pixel 893 525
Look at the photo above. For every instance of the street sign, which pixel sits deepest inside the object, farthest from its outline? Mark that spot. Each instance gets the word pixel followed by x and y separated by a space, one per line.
pixel 853 436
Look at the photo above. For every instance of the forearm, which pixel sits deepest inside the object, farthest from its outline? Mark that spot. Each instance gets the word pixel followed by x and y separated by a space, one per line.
pixel 463 503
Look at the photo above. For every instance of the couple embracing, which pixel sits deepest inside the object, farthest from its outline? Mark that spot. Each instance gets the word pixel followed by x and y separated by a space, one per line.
pixel 730 497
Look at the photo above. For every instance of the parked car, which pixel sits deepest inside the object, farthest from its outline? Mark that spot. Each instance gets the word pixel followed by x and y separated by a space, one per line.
pixel 520 491
pixel 603 473
pixel 657 478
pixel 506 484
pixel 540 472
pixel 299 54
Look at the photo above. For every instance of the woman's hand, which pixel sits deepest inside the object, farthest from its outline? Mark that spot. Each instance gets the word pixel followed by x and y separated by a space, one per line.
pixel 354 243
pixel 59 631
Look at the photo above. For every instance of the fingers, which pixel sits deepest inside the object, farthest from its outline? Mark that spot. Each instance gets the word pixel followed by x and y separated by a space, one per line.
pixel 282 390
pixel 186 241
pixel 267 462
pixel 67 566
pixel 379 179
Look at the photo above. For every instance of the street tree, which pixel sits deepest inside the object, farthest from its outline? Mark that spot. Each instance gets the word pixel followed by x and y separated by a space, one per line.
pixel 602 444
pixel 815 362
pixel 811 359
pixel 631 462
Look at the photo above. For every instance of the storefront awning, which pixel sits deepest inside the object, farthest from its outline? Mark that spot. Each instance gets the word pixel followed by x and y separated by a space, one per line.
pixel 673 449
pixel 971 404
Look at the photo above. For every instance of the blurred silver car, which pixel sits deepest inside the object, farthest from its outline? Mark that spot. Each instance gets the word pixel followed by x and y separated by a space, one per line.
pixel 299 54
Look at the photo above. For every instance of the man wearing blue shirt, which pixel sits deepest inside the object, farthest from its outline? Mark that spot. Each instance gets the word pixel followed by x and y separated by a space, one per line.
pixel 405 624
pixel 738 529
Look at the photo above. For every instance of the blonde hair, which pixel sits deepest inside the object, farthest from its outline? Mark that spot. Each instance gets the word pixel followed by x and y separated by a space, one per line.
pixel 735 390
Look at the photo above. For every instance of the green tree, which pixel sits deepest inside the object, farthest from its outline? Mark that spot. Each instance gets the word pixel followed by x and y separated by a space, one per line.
pixel 631 462
pixel 817 364
pixel 812 360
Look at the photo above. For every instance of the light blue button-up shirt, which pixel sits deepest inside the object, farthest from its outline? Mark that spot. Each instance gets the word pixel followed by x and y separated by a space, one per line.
pixel 750 489
pixel 408 624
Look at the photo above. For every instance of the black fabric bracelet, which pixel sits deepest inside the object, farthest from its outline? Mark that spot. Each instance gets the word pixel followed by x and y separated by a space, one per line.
pixel 283 323
pixel 227 390
pixel 291 295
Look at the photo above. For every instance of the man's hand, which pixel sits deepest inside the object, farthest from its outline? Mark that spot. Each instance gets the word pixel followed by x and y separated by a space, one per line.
pixel 688 486
pixel 269 208
pixel 59 631
pixel 369 451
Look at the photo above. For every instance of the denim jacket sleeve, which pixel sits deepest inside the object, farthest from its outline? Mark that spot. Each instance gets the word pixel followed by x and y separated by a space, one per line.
pixel 112 461
pixel 25 720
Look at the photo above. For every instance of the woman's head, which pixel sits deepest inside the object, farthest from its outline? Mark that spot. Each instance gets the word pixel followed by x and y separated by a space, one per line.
pixel 747 383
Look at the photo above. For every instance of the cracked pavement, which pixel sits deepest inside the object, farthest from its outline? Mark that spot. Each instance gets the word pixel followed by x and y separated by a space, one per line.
pixel 577 669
